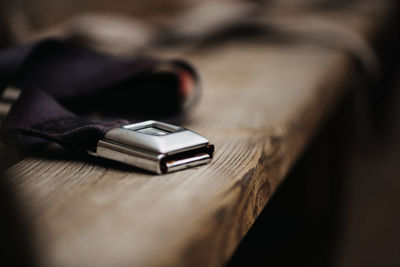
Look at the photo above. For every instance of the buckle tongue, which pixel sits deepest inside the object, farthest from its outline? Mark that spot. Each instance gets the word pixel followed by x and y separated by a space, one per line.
pixel 155 146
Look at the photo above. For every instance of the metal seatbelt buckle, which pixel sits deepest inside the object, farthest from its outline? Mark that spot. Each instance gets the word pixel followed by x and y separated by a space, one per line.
pixel 155 146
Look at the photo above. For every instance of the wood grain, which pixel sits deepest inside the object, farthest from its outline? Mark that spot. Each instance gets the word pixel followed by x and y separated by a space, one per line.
pixel 89 215
pixel 261 105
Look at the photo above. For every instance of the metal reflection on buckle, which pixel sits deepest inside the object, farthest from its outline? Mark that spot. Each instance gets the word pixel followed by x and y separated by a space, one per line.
pixel 155 146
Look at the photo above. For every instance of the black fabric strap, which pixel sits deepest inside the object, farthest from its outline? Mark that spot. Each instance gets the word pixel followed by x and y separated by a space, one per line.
pixel 63 84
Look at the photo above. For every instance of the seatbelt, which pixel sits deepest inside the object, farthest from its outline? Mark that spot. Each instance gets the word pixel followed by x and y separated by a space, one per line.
pixel 57 77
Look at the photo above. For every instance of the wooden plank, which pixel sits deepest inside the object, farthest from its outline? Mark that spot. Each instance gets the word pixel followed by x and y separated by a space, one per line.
pixel 261 104
pixel 90 215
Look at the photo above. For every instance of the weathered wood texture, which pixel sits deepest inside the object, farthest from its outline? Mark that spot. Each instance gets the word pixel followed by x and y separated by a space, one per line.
pixel 89 215
pixel 261 105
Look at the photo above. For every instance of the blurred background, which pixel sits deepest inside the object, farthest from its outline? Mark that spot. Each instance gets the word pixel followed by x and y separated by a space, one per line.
pixel 340 205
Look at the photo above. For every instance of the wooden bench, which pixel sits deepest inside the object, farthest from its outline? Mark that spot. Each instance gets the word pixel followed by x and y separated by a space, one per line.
pixel 262 103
